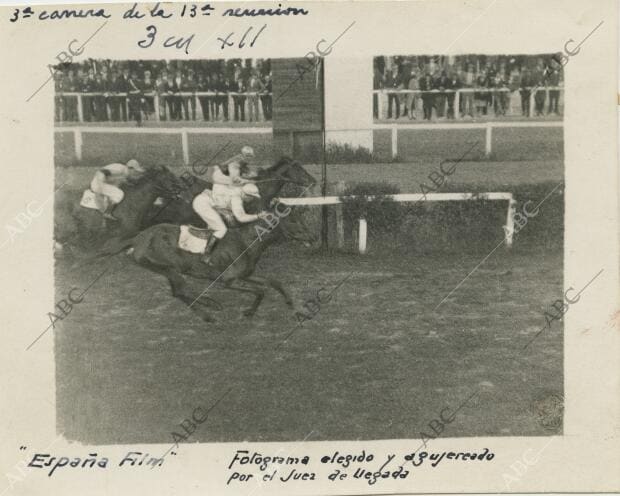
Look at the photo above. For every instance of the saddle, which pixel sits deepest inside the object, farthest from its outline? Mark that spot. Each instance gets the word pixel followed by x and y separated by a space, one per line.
pixel 94 201
pixel 194 239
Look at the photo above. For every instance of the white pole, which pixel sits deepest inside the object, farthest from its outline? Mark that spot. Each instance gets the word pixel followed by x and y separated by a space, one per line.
pixel 510 222
pixel 362 232
pixel 185 146
pixel 394 141
pixel 487 148
pixel 77 138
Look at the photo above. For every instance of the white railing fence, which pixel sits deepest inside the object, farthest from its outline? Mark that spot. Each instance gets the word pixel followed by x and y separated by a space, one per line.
pixel 252 103
pixel 183 132
pixel 487 126
pixel 500 101
pixel 408 197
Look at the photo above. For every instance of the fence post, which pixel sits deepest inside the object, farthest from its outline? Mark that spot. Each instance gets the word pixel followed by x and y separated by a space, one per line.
pixel 362 234
pixel 79 108
pixel 394 141
pixel 185 146
pixel 77 142
pixel 156 107
pixel 488 140
pixel 457 105
pixel 510 222
pixel 340 188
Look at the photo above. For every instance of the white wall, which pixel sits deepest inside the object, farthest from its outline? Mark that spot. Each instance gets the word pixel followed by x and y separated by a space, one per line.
pixel 348 100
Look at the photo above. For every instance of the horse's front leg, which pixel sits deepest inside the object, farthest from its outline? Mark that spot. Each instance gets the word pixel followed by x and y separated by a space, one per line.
pixel 273 283
pixel 259 294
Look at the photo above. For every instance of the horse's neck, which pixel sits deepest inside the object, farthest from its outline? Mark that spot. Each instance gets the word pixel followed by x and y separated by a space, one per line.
pixel 270 189
pixel 137 201
pixel 257 237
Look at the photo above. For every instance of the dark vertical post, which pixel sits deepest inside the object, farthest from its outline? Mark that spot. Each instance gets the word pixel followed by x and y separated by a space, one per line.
pixel 324 211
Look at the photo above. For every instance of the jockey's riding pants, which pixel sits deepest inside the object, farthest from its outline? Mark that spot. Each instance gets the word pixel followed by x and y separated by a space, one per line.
pixel 204 206
pixel 99 185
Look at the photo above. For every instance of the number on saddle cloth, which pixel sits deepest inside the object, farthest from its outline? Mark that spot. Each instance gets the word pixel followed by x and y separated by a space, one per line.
pixel 94 201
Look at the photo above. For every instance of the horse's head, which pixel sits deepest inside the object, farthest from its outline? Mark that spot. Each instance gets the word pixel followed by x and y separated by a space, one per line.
pixel 167 184
pixel 291 171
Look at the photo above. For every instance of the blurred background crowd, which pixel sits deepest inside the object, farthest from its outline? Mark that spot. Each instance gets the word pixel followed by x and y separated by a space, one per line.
pixel 491 86
pixel 164 90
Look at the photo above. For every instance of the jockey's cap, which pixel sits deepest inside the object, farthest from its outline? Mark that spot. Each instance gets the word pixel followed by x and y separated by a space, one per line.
pixel 250 189
pixel 135 165
pixel 247 152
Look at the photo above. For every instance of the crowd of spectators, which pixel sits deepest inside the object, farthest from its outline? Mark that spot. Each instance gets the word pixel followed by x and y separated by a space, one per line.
pixel 125 91
pixel 498 80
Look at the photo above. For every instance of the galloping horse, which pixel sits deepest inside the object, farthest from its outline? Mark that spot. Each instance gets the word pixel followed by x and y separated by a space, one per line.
pixel 232 263
pixel 86 228
pixel 270 181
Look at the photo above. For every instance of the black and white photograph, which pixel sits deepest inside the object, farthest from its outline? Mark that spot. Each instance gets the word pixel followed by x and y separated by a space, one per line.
pixel 355 280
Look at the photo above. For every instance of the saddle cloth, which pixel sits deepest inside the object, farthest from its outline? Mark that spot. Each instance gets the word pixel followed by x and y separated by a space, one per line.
pixel 193 239
pixel 94 201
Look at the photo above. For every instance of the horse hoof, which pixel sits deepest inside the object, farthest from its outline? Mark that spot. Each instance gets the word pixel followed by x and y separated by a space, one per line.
pixel 249 312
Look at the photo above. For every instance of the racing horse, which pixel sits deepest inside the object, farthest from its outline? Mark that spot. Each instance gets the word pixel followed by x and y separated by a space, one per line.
pixel 270 181
pixel 85 228
pixel 232 263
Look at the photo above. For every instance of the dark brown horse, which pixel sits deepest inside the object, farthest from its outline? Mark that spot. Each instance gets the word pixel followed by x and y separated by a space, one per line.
pixel 232 263
pixel 270 182
pixel 84 228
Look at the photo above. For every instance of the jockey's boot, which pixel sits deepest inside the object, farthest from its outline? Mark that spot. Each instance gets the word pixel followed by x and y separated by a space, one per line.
pixel 209 249
pixel 107 214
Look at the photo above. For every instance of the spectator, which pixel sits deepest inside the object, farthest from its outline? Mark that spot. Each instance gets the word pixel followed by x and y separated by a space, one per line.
pixel 225 86
pixel 148 86
pixel 392 81
pixel 189 85
pixel 538 82
pixel 71 85
pixel 412 98
pixel 101 87
pixel 553 81
pixel 123 90
pixel 441 84
pixel 481 98
pixel 426 85
pixel 179 102
pixel 525 85
pixel 377 85
pixel 253 88
pixel 88 102
pixel 454 84
pixel 135 98
pixel 500 96
pixel 239 100
pixel 468 96
pixel 203 86
pixel 266 97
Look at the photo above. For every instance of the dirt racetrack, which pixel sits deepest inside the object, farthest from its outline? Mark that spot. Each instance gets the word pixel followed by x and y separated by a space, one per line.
pixel 132 362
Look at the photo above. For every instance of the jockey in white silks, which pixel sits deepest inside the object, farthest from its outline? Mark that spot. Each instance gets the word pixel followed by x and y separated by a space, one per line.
pixel 235 171
pixel 107 180
pixel 224 197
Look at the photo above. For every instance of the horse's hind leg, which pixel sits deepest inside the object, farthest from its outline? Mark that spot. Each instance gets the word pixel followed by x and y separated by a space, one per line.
pixel 179 289
pixel 258 293
pixel 277 285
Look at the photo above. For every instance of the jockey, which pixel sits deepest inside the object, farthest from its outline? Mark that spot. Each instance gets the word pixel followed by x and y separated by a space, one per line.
pixel 107 180
pixel 235 170
pixel 224 197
